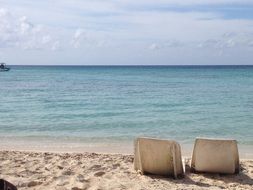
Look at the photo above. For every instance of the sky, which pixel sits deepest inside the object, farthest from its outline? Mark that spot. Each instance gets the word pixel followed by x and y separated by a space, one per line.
pixel 126 32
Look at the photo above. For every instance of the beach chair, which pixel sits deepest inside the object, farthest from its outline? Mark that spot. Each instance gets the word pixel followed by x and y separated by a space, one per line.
pixel 215 156
pixel 159 157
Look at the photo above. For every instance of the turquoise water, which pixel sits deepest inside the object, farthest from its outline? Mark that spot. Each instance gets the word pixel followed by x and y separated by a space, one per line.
pixel 117 104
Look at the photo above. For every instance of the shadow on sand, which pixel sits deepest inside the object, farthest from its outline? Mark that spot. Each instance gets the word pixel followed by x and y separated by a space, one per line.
pixel 241 178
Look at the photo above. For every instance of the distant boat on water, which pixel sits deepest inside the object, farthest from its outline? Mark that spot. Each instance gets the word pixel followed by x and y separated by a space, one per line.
pixel 3 67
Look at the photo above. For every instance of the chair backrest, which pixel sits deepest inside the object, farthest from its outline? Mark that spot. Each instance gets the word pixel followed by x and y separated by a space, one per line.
pixel 215 156
pixel 160 157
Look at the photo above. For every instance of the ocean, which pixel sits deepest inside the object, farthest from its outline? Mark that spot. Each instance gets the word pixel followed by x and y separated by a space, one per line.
pixel 115 104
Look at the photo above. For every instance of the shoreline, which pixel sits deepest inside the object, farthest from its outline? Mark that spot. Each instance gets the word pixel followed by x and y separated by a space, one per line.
pixel 245 151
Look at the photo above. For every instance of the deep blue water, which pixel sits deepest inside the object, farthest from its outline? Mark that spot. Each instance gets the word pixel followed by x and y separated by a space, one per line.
pixel 117 104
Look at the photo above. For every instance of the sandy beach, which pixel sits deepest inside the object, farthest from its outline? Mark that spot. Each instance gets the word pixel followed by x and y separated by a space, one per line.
pixel 76 171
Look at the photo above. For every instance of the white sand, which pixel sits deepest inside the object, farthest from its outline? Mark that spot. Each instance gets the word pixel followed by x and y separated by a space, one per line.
pixel 75 171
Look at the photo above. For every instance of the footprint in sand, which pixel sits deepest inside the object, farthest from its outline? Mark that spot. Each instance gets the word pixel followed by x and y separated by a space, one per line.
pixel 80 178
pixel 116 165
pixel 34 183
pixel 67 172
pixel 95 167
pixel 78 186
pixel 99 174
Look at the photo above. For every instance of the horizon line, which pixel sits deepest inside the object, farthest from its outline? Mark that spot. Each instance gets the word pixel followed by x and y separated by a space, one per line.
pixel 128 65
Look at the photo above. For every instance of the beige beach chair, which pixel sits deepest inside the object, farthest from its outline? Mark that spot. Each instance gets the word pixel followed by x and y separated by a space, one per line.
pixel 215 156
pixel 160 157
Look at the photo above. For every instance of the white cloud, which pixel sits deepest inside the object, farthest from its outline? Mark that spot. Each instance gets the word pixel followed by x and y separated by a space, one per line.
pixel 25 25
pixel 78 38
pixel 154 46
pixel 19 32
pixel 87 39
pixel 229 40
pixel 166 44
pixel 46 39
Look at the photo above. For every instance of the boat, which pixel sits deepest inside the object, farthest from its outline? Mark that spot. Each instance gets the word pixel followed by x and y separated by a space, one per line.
pixel 3 67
